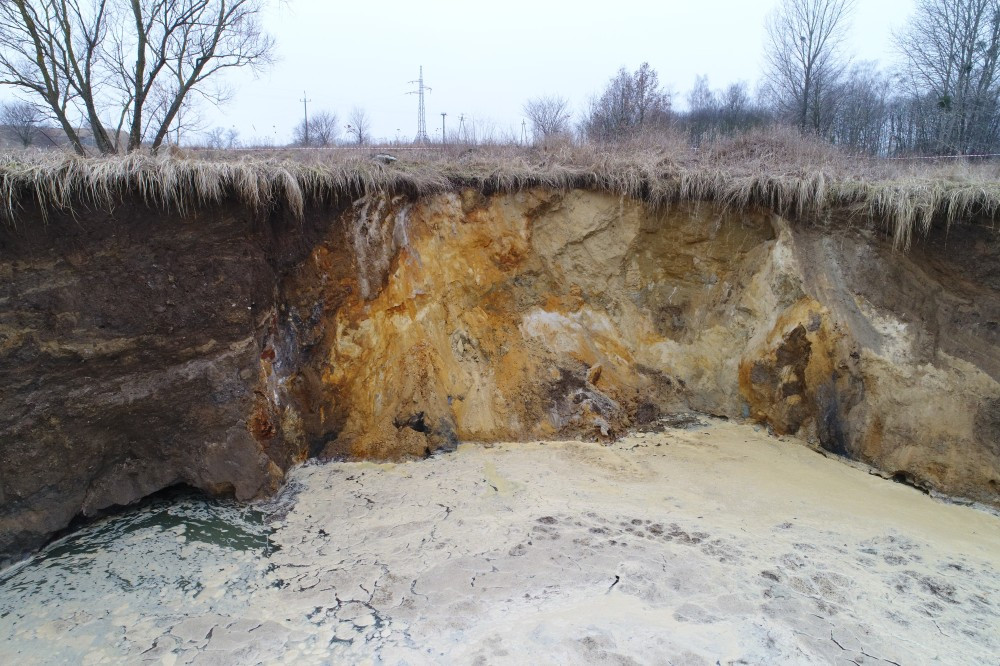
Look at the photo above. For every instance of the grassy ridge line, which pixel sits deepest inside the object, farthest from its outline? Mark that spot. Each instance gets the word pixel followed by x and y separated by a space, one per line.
pixel 802 180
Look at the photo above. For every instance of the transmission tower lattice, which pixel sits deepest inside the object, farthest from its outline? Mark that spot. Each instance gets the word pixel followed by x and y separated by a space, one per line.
pixel 421 113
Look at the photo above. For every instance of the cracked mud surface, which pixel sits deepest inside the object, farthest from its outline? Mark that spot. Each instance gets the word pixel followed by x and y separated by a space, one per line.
pixel 696 546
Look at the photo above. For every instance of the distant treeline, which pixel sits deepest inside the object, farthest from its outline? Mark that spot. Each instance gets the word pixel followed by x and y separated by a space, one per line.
pixel 941 97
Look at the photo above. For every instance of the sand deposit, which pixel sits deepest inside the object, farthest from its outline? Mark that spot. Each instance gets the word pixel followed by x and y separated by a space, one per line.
pixel 712 543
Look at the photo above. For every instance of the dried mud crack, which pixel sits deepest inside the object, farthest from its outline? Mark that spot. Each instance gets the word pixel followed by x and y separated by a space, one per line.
pixel 713 543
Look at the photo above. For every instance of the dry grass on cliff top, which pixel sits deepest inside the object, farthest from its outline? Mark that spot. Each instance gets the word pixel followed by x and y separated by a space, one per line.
pixel 786 173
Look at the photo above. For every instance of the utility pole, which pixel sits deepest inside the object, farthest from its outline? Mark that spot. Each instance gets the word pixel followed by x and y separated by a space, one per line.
pixel 443 139
pixel 524 132
pixel 421 113
pixel 305 116
pixel 461 127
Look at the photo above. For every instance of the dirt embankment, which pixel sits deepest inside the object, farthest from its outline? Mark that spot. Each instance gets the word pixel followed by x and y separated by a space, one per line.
pixel 141 349
pixel 130 360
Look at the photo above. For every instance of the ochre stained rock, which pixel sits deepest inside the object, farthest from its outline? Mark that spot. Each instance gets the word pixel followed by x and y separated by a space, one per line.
pixel 532 316
pixel 793 379
pixel 578 315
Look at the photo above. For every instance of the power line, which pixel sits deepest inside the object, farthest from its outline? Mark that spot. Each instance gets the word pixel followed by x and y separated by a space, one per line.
pixel 421 113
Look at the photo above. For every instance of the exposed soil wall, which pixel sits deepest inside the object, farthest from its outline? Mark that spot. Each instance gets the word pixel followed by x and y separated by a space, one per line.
pixel 130 344
pixel 139 349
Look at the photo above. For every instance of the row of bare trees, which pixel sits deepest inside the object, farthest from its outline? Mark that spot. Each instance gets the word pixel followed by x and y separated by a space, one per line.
pixel 951 72
pixel 632 103
pixel 942 97
pixel 319 130
pixel 715 113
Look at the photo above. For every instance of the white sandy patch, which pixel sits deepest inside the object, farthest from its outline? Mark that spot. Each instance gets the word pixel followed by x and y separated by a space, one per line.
pixel 895 336
pixel 718 544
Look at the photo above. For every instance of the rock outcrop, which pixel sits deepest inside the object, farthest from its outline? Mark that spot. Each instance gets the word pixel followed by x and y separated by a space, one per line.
pixel 142 349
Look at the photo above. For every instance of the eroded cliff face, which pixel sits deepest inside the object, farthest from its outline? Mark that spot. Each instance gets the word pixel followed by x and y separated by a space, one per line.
pixel 140 349
pixel 545 315
pixel 528 316
pixel 130 361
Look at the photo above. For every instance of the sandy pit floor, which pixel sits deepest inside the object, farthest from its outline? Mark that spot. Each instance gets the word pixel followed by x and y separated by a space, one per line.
pixel 715 544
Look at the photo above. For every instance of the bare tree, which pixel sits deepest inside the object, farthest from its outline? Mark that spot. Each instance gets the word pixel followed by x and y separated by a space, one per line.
pixel 861 121
pixel 950 52
pixel 804 58
pixel 631 103
pixel 108 61
pixel 702 98
pixel 738 112
pixel 716 113
pixel 703 110
pixel 23 119
pixel 301 134
pixel 324 130
pixel 36 56
pixel 221 138
pixel 549 116
pixel 215 138
pixel 359 126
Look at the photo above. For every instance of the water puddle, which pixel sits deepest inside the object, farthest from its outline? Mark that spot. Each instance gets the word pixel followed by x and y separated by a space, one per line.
pixel 178 554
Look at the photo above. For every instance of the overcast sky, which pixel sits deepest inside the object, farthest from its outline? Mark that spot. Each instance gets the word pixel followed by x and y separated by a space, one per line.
pixel 484 59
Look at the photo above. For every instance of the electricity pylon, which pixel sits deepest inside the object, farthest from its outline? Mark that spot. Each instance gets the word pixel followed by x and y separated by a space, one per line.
pixel 421 113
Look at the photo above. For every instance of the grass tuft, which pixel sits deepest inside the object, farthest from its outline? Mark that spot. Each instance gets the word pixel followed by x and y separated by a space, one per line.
pixel 791 175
